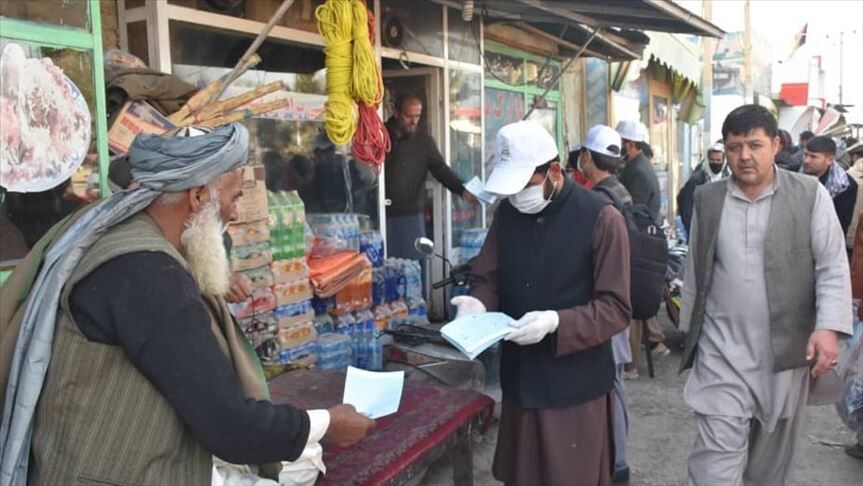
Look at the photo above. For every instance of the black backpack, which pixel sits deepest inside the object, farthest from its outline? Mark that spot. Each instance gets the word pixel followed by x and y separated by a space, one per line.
pixel 648 251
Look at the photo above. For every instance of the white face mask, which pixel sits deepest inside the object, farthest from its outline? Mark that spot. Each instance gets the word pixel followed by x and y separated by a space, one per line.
pixel 531 200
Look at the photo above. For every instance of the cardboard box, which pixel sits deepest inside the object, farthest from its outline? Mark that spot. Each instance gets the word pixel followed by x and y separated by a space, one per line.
pixel 285 271
pixel 135 117
pixel 247 257
pixel 297 335
pixel 249 233
pixel 292 292
pixel 253 203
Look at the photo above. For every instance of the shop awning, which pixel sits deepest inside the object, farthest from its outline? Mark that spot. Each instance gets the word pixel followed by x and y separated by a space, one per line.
pixel 619 21
pixel 675 54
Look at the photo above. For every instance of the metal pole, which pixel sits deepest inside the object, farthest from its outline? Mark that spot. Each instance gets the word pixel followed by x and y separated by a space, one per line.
pixel 707 79
pixel 841 62
pixel 286 4
pixel 562 70
pixel 749 89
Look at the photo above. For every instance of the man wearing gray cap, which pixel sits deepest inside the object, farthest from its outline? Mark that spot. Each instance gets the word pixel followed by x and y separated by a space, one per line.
pixel 557 259
pixel 124 364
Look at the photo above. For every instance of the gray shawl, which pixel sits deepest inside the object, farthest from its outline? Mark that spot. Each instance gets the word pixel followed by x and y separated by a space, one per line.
pixel 159 164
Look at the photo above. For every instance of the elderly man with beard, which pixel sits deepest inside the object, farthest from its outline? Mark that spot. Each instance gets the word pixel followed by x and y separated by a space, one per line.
pixel 127 367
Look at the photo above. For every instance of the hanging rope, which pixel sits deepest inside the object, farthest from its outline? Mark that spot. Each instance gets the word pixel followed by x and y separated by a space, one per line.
pixel 335 23
pixel 371 141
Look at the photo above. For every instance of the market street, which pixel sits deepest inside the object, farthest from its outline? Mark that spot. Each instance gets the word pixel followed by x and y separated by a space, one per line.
pixel 662 431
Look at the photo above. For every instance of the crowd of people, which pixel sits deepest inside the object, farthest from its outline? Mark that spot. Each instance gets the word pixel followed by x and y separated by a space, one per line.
pixel 118 315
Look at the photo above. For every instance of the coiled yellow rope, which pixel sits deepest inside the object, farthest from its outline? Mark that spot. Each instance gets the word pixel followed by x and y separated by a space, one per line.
pixel 367 84
pixel 335 23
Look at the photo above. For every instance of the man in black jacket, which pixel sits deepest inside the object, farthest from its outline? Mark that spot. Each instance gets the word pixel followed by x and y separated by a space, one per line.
pixel 638 175
pixel 819 161
pixel 712 170
pixel 413 155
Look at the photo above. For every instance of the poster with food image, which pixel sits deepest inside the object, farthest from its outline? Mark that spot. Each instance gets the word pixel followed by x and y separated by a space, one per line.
pixel 45 123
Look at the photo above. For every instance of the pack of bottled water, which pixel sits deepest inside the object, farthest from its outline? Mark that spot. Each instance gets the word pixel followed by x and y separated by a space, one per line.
pixel 372 245
pixel 470 243
pixel 334 352
pixel 334 233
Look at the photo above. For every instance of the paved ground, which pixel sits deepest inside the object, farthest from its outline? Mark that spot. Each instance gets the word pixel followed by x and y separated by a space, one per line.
pixel 662 432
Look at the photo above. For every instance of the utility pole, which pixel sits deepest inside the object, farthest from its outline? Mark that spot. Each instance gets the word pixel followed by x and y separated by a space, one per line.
pixel 707 46
pixel 749 90
pixel 841 63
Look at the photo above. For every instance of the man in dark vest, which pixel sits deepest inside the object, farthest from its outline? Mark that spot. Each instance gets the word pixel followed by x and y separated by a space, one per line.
pixel 766 294
pixel 556 259
pixel 148 376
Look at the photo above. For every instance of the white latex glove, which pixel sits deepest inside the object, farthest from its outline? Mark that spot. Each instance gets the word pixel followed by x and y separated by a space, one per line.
pixel 533 327
pixel 467 305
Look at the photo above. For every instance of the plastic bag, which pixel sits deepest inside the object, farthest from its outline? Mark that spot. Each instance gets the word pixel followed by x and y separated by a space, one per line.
pixel 850 369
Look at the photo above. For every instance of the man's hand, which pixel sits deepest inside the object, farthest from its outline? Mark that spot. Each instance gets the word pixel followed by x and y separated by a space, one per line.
pixel 823 347
pixel 533 327
pixel 470 198
pixel 347 427
pixel 467 305
pixel 241 289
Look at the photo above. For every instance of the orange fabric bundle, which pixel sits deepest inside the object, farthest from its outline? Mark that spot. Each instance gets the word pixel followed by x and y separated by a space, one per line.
pixel 331 274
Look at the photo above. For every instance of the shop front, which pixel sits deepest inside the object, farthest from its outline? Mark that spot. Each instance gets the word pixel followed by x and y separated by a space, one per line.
pixel 662 92
pixel 50 35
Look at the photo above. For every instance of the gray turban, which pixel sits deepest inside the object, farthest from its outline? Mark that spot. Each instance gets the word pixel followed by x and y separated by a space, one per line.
pixel 159 164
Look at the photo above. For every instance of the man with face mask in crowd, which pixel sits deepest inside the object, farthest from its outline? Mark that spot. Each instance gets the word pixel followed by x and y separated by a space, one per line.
pixel 713 169
pixel 557 259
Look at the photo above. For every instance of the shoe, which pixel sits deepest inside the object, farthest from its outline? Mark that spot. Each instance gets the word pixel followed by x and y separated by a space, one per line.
pixel 855 451
pixel 621 476
pixel 660 351
pixel 630 375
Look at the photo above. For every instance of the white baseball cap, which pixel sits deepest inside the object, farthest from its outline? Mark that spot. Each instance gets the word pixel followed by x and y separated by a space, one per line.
pixel 602 139
pixel 717 147
pixel 521 147
pixel 632 130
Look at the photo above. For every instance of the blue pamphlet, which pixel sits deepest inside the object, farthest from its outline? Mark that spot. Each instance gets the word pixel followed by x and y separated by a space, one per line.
pixel 475 333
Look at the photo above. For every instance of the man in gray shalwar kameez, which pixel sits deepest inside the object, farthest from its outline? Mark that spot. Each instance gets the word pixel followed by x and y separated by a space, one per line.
pixel 766 294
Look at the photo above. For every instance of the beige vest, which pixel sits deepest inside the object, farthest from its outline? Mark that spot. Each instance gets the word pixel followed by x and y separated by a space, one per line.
pixel 99 420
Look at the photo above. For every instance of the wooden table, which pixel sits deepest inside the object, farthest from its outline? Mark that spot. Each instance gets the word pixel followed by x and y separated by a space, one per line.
pixel 432 420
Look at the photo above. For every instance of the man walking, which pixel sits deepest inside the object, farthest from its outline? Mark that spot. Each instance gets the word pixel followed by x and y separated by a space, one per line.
pixel 819 160
pixel 640 180
pixel 763 232
pixel 413 156
pixel 638 175
pixel 599 159
pixel 713 169
pixel 557 259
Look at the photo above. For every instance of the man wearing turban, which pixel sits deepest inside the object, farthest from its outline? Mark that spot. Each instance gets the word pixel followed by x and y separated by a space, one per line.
pixel 120 361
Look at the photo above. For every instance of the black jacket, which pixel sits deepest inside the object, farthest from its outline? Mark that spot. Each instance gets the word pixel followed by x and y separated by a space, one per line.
pixel 844 203
pixel 686 196
pixel 406 166
pixel 640 180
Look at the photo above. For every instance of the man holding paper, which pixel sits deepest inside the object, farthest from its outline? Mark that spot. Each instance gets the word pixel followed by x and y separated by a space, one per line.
pixel 556 257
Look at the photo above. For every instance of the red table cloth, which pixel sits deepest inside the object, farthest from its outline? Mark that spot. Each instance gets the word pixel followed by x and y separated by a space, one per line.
pixel 427 416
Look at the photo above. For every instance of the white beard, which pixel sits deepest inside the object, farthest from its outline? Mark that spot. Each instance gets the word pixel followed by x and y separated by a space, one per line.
pixel 204 250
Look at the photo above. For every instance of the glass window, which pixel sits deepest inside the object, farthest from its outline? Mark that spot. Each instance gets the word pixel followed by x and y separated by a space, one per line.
pixel 412 25
pixel 466 156
pixel 545 112
pixel 66 13
pixel 596 91
pixel 25 217
pixel 542 74
pixel 463 38
pixel 138 41
pixel 502 107
pixel 289 142
pixel 660 131
pixel 503 68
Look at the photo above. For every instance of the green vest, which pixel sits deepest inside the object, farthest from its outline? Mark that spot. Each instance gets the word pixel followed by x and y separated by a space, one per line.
pixel 99 420
pixel 789 266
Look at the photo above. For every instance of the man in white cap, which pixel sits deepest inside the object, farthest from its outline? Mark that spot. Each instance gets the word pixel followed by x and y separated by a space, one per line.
pixel 712 169
pixel 640 180
pixel 638 175
pixel 599 159
pixel 557 259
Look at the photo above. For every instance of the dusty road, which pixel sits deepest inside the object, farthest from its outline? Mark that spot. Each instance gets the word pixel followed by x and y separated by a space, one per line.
pixel 662 433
